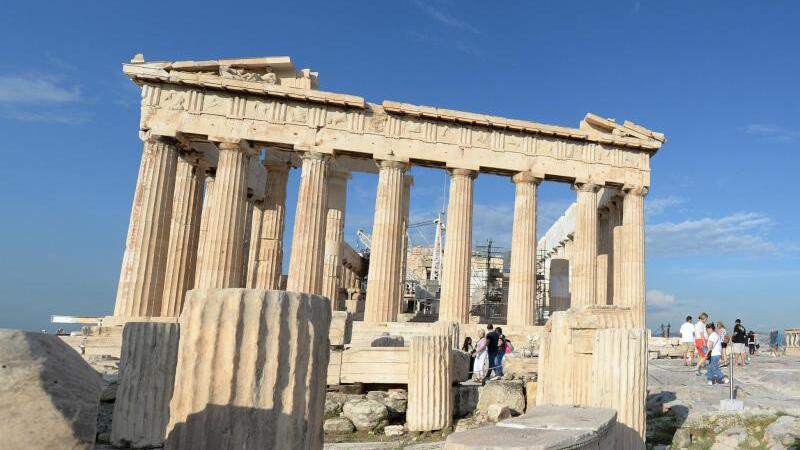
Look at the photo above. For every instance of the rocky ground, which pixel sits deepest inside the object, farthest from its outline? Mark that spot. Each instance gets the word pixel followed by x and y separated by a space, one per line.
pixel 684 412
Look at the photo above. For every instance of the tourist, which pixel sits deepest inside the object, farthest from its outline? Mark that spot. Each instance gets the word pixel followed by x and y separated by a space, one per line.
pixel 501 352
pixel 492 341
pixel 687 341
pixel 468 348
pixel 700 337
pixel 773 343
pixel 714 345
pixel 481 356
pixel 752 342
pixel 739 342
pixel 723 334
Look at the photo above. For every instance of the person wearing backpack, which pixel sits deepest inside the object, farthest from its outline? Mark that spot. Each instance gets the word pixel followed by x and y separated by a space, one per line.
pixel 739 343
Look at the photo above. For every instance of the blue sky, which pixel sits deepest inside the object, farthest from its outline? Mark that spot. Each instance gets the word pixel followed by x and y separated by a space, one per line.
pixel 719 78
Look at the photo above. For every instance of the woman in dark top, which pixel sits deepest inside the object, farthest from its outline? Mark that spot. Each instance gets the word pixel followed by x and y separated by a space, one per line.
pixel 469 348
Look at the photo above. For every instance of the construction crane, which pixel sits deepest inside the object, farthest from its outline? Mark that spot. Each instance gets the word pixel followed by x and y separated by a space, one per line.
pixel 364 242
pixel 436 262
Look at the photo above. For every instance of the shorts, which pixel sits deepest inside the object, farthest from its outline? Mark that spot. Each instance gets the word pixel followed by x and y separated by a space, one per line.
pixel 738 348
pixel 687 346
pixel 700 346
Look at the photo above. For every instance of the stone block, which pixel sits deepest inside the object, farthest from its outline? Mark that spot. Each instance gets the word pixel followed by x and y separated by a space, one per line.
pixel 338 425
pixel 460 367
pixel 465 399
pixel 543 428
pixel 530 394
pixel 366 414
pixel 620 355
pixel 430 404
pixel 375 365
pixel 509 393
pixel 386 340
pixel 260 380
pixel 496 412
pixel 146 380
pixel 48 394
pixel 341 328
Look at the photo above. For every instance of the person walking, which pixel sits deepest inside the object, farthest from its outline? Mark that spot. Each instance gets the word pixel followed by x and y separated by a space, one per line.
pixel 739 342
pixel 687 341
pixel 700 337
pixel 752 342
pixel 492 341
pixel 714 345
pixel 723 334
pixel 502 345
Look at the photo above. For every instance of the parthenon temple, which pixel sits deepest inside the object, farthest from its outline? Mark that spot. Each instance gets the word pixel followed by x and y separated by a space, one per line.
pixel 221 136
pixel 204 250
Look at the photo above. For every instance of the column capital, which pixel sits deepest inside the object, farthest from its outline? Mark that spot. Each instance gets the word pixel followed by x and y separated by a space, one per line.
pixel 463 173
pixel 392 164
pixel 151 138
pixel 316 156
pixel 526 177
pixel 582 186
pixel 635 190
pixel 236 146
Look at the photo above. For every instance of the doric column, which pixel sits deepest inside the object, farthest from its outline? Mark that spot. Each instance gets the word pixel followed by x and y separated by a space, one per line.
pixel 584 276
pixel 269 253
pixel 222 251
pixel 247 253
pixel 202 240
pixel 384 278
pixel 408 181
pixel 141 280
pixel 430 380
pixel 603 258
pixel 616 260
pixel 333 281
pixel 633 272
pixel 454 303
pixel 254 242
pixel 184 233
pixel 308 239
pixel 522 281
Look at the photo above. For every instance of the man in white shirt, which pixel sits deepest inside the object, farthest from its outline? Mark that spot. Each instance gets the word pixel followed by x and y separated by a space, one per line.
pixel 714 344
pixel 700 336
pixel 687 341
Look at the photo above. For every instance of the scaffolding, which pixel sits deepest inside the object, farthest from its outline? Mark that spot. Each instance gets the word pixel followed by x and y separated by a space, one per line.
pixel 488 296
pixel 542 288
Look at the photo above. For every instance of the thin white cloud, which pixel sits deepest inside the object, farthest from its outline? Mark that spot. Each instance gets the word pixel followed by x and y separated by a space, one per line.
pixel 637 6
pixel 444 18
pixel 774 133
pixel 738 233
pixel 63 118
pixel 33 89
pixel 659 301
pixel 658 205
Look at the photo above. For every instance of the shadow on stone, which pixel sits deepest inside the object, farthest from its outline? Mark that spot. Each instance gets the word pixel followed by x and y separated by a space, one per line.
pixel 234 427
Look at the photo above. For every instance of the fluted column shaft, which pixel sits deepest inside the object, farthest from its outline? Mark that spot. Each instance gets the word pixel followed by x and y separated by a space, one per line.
pixel 430 380
pixel 269 256
pixel 616 260
pixel 454 303
pixel 408 181
pixel 584 275
pixel 247 243
pixel 202 240
pixel 308 239
pixel 222 252
pixel 522 281
pixel 184 233
pixel 333 281
pixel 384 278
pixel 633 263
pixel 254 241
pixel 603 258
pixel 141 280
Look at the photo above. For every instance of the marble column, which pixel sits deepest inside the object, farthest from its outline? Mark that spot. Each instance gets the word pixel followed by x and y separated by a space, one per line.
pixel 408 181
pixel 184 233
pixel 248 239
pixel 616 260
pixel 584 275
pixel 202 240
pixel 222 251
pixel 268 265
pixel 522 280
pixel 308 239
pixel 254 241
pixel 632 292
pixel 141 280
pixel 603 250
pixel 454 304
pixel 333 280
pixel 384 277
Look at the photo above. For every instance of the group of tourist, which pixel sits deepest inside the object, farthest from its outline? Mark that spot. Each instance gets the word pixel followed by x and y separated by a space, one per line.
pixel 714 346
pixel 486 357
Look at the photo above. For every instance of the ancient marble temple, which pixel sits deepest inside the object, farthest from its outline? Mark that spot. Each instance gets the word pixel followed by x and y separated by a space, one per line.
pixel 220 138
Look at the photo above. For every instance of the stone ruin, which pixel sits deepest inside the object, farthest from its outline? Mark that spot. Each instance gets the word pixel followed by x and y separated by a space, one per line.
pixel 202 290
